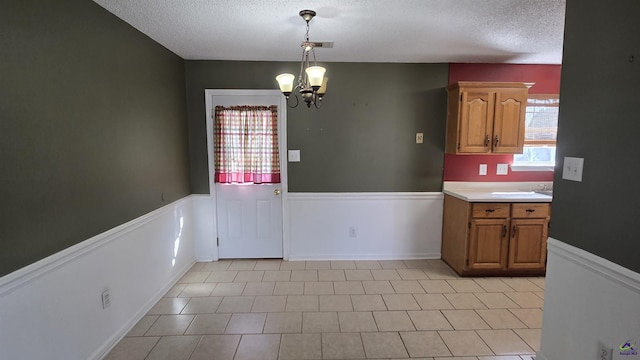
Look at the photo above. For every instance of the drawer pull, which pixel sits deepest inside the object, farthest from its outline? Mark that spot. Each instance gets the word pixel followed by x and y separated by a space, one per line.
pixel 530 210
pixel 489 211
pixel 504 230
pixel 495 142
pixel 486 140
pixel 513 231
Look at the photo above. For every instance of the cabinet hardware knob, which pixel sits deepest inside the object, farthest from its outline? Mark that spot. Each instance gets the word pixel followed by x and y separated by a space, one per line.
pixel 495 141
pixel 486 140
pixel 513 231
pixel 504 230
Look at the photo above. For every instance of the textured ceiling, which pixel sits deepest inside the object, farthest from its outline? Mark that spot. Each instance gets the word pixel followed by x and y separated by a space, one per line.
pixel 420 31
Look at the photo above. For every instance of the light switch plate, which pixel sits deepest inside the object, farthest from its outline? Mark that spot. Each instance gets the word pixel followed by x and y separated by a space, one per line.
pixel 502 169
pixel 419 138
pixel 294 155
pixel 572 169
pixel 483 169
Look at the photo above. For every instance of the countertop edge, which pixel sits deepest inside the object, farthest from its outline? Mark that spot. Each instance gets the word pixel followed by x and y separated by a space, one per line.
pixel 484 196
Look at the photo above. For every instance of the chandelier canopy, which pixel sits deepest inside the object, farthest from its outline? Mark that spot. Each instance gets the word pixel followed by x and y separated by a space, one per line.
pixel 312 84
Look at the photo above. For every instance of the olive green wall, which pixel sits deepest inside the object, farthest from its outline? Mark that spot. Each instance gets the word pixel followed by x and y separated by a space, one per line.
pixel 361 139
pixel 92 126
pixel 599 122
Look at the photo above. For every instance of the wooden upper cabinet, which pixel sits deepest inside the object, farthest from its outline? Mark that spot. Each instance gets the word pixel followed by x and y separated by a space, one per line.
pixel 476 112
pixel 508 125
pixel 486 118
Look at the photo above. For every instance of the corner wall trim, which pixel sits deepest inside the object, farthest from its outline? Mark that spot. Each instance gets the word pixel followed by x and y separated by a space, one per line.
pixel 31 272
pixel 606 268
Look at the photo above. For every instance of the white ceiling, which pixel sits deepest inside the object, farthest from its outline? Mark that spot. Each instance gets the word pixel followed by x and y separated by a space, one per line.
pixel 412 31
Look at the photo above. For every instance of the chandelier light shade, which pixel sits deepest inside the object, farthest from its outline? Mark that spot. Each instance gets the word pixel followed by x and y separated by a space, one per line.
pixel 312 84
pixel 285 81
pixel 315 75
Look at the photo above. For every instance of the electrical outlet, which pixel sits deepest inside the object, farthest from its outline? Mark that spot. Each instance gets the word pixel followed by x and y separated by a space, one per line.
pixel 106 299
pixel 483 169
pixel 502 169
pixel 353 232
pixel 419 138
pixel 604 352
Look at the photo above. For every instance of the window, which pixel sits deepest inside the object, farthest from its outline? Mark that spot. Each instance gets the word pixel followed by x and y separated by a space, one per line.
pixel 541 127
pixel 246 144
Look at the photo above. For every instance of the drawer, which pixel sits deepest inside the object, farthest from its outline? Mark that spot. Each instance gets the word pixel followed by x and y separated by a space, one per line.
pixel 530 210
pixel 490 210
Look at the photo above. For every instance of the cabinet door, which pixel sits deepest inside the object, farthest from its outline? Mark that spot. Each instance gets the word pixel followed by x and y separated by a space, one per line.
pixel 476 122
pixel 508 126
pixel 488 244
pixel 527 244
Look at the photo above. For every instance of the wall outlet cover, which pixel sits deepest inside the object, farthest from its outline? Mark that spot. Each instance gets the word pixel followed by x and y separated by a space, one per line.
pixel 106 299
pixel 482 170
pixel 604 352
pixel 353 232
pixel 502 169
pixel 419 138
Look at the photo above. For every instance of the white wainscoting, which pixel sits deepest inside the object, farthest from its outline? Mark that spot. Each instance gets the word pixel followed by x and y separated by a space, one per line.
pixel 52 309
pixel 387 225
pixel 588 300
pixel 204 227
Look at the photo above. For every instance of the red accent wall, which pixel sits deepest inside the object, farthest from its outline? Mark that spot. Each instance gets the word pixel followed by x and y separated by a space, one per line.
pixel 465 167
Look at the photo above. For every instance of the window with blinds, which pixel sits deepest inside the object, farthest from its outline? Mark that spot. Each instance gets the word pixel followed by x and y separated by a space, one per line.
pixel 541 127
pixel 541 119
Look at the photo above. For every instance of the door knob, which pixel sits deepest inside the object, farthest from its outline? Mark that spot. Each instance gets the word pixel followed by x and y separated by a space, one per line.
pixel 276 192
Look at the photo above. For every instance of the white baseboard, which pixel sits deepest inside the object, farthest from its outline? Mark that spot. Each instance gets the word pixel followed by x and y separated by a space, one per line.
pixel 52 309
pixel 588 300
pixel 387 226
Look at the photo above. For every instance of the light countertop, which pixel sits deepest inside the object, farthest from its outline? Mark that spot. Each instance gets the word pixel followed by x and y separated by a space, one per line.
pixel 497 192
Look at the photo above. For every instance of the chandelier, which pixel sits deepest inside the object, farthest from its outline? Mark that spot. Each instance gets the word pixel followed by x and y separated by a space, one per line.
pixel 312 84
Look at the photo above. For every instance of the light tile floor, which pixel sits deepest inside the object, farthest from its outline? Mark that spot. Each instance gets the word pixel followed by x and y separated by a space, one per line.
pixel 272 309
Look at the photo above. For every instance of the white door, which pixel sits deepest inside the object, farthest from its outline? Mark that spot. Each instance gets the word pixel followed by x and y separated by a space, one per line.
pixel 249 216
pixel 249 220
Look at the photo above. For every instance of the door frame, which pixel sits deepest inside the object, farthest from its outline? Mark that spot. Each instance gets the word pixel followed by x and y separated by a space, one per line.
pixel 214 97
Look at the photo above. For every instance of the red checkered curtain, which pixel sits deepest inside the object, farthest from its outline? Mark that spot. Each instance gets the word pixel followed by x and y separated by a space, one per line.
pixel 246 144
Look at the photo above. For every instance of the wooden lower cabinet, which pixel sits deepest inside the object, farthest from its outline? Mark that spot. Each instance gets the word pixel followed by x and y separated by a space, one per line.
pixel 528 244
pixel 495 238
pixel 487 244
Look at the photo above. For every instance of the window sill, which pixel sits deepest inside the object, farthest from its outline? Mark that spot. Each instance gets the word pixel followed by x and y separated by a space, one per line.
pixel 532 167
